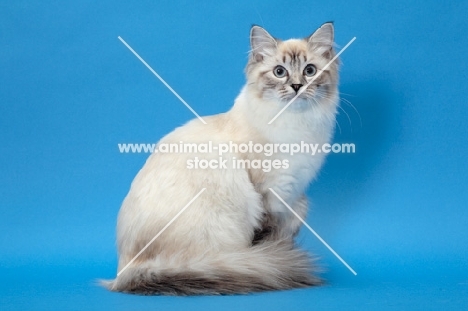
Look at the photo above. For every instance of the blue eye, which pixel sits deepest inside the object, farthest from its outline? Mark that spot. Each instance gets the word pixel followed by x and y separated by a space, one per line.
pixel 280 71
pixel 310 70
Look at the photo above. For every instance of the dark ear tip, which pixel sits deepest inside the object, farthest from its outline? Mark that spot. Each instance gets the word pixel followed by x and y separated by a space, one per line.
pixel 328 24
pixel 255 25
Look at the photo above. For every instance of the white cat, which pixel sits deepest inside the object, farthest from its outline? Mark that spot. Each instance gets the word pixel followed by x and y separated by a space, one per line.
pixel 236 237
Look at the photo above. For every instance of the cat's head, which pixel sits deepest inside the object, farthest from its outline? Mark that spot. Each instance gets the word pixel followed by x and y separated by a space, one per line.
pixel 277 70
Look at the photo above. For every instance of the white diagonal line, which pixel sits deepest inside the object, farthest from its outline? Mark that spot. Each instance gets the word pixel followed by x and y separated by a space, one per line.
pixel 160 232
pixel 313 231
pixel 161 79
pixel 315 77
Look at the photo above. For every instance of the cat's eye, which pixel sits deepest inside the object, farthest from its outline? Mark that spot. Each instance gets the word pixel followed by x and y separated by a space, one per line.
pixel 280 71
pixel 310 70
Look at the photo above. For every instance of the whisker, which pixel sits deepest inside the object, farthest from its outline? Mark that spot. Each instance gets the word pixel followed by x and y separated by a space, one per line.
pixel 349 119
pixel 341 93
pixel 336 121
pixel 259 15
pixel 316 102
pixel 339 127
pixel 349 103
pixel 347 115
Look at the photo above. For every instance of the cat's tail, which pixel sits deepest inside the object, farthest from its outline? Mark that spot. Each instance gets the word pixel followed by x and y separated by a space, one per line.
pixel 262 267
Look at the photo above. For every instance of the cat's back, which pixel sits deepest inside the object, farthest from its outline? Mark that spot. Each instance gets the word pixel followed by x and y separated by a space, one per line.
pixel 219 127
pixel 167 182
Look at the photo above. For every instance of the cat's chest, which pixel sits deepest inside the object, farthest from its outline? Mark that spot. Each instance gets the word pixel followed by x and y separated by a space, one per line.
pixel 310 134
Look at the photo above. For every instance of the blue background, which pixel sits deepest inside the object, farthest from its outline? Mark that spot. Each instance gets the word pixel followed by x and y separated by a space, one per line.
pixel 70 91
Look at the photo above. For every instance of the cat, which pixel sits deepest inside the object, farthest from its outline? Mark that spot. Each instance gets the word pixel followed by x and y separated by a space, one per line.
pixel 236 236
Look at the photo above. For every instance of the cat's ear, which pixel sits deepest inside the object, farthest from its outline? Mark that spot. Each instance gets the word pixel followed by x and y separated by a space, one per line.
pixel 321 41
pixel 262 43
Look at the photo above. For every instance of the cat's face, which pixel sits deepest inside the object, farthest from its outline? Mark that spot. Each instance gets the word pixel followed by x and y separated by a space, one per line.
pixel 279 70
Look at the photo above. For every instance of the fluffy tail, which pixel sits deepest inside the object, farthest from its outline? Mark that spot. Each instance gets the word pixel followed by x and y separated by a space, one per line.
pixel 266 266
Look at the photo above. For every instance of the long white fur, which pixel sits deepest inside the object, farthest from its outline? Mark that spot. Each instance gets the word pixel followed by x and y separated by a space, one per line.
pixel 217 229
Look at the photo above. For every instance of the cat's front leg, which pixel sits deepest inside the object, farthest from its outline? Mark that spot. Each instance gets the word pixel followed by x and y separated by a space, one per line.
pixel 280 221
pixel 293 224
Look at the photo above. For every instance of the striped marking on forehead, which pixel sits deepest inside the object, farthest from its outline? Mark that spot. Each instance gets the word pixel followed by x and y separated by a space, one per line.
pixel 293 53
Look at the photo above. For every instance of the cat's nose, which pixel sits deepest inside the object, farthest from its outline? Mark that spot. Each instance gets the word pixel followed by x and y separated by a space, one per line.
pixel 296 87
